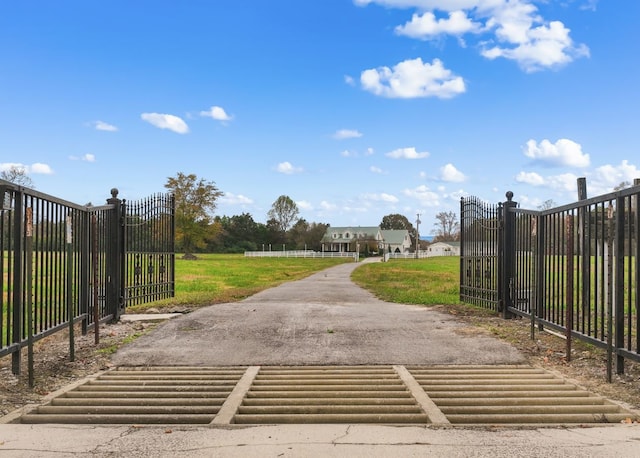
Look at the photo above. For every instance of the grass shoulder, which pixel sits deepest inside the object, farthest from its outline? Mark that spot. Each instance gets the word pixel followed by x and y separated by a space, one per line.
pixel 219 278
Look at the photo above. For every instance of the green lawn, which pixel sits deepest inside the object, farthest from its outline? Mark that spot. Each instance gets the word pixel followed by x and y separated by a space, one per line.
pixel 217 278
pixel 428 281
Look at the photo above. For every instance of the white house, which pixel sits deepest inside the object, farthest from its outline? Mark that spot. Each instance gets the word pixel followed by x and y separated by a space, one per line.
pixel 444 249
pixel 365 238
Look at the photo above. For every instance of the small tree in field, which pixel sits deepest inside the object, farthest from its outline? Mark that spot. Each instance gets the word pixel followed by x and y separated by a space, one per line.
pixel 195 202
pixel 284 212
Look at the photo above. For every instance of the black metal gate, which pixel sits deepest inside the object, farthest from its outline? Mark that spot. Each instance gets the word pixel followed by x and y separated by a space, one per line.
pixel 573 268
pixel 63 263
pixel 480 224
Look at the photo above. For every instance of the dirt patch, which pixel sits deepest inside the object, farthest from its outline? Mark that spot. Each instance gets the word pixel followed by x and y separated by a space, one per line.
pixel 588 365
pixel 53 370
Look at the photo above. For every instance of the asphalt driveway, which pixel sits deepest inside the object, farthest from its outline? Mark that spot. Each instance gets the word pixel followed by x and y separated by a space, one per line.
pixel 323 319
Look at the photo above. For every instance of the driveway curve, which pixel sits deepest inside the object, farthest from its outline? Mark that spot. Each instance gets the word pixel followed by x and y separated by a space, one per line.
pixel 320 320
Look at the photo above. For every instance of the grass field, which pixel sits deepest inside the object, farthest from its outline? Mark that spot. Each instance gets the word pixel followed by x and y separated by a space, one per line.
pixel 216 278
pixel 428 281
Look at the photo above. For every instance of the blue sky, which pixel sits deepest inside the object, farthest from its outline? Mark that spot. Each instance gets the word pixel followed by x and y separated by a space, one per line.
pixel 353 108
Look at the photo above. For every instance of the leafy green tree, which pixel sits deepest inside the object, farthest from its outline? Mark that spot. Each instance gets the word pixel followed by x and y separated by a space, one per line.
pixel 399 222
pixel 239 233
pixel 284 212
pixel 196 200
pixel 306 235
pixel 17 175
pixel 396 221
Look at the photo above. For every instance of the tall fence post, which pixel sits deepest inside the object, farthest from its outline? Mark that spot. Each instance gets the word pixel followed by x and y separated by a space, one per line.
pixel 508 254
pixel 114 298
pixel 18 272
pixel 618 297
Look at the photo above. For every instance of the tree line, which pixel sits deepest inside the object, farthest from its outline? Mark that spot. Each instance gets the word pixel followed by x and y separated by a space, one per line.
pixel 197 230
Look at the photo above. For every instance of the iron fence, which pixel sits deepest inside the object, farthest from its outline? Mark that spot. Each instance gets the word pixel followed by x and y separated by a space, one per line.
pixel 573 269
pixel 62 264
pixel 479 235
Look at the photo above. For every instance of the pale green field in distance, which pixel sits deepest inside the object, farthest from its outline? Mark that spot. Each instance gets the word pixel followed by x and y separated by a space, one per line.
pixel 218 278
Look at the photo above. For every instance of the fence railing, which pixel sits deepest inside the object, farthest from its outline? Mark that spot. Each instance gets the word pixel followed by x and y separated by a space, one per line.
pixel 300 254
pixel 573 269
pixel 63 264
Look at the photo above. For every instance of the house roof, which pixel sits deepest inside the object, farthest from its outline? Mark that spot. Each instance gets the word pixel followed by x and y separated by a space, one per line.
pixel 394 236
pixel 350 233
pixel 451 244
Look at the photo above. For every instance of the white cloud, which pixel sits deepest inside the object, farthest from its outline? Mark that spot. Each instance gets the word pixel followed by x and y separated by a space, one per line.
pixel 304 205
pixel 382 197
pixel 509 29
pixel 609 176
pixel 346 133
pixel 166 121
pixel 287 168
pixel 378 170
pixel 87 158
pixel 564 152
pixel 427 26
pixel 450 173
pixel 412 79
pixel 328 206
pixel 349 80
pixel 216 113
pixel 35 168
pixel 531 178
pixel 407 153
pixel 424 195
pixel 235 199
pixel 40 168
pixel 565 182
pixel 425 5
pixel 545 46
pixel 101 125
pixel 354 153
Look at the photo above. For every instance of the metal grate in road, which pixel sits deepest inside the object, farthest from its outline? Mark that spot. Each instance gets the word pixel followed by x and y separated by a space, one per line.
pixel 329 394
pixel 512 395
pixel 437 395
pixel 150 395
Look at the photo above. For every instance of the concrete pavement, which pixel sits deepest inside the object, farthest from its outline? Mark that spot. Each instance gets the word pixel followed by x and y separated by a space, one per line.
pixel 60 441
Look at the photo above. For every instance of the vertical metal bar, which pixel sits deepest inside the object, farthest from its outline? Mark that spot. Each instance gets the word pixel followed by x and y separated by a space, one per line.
pixel 619 283
pixel 462 248
pixel 29 289
pixel 94 269
pixel 540 275
pixel 69 287
pixel 635 254
pixel 569 284
pixel 18 251
pixel 84 245
pixel 610 309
